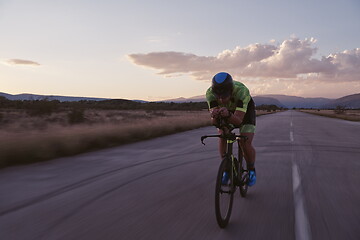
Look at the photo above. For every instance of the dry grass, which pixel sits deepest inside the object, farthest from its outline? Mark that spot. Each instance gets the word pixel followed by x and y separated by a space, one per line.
pixel 27 139
pixel 351 115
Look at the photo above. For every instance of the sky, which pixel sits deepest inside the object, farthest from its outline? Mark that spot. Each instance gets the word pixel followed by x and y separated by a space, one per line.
pixel 155 50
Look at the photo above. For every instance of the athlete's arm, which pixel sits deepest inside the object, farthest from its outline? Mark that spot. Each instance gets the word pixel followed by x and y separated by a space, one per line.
pixel 213 107
pixel 215 113
pixel 235 118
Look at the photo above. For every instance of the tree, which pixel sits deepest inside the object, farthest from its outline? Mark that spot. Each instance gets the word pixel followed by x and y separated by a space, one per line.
pixel 339 109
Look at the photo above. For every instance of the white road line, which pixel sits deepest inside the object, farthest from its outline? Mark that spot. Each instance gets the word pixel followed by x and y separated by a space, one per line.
pixel 291 131
pixel 291 136
pixel 302 227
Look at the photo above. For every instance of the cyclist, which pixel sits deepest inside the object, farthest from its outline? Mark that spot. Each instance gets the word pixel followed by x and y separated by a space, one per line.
pixel 231 101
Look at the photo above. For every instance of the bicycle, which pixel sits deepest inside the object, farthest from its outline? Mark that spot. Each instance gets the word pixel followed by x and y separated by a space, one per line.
pixel 238 175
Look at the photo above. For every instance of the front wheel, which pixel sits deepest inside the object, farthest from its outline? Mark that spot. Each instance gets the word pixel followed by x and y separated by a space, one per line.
pixel 224 194
pixel 244 174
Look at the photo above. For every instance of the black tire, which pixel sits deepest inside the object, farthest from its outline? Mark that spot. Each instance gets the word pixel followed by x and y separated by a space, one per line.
pixel 224 195
pixel 244 176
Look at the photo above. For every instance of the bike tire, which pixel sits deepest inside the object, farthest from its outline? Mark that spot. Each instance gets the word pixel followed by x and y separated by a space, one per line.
pixel 224 195
pixel 243 187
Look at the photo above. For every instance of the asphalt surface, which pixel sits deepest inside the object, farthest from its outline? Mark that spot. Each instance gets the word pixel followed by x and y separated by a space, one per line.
pixel 308 188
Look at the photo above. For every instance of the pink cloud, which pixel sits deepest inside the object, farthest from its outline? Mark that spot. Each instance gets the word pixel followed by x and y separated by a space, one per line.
pixel 202 66
pixel 293 59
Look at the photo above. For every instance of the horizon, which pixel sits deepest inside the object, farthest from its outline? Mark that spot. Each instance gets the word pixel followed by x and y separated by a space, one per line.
pixel 126 50
pixel 197 96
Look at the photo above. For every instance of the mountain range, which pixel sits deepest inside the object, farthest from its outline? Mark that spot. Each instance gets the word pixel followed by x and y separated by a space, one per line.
pixel 27 96
pixel 350 101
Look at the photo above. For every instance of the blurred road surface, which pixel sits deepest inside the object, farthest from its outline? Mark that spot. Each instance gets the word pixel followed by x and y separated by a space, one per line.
pixel 308 187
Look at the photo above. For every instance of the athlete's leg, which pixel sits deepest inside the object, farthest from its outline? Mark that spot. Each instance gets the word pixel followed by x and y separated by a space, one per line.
pixel 222 145
pixel 249 150
pixel 248 130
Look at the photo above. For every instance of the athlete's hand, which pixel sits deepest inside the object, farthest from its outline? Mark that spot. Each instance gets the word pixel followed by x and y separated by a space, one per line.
pixel 224 112
pixel 215 113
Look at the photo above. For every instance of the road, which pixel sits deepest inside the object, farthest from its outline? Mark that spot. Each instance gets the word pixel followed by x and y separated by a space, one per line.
pixel 308 188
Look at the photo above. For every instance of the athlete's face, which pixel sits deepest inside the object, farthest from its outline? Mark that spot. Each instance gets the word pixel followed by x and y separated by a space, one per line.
pixel 224 100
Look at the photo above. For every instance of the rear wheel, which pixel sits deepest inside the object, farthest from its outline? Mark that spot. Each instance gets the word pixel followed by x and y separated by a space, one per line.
pixel 224 194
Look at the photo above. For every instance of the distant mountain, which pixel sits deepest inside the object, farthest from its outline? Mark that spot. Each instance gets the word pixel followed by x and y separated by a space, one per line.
pixel 176 100
pixel 200 98
pixel 26 96
pixel 289 101
pixel 299 102
pixel 350 101
pixel 140 101
pixel 278 100
pixel 261 100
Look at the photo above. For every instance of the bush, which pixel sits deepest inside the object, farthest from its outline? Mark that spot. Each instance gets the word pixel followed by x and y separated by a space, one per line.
pixel 339 110
pixel 76 116
pixel 42 107
pixel 268 108
pixel 3 101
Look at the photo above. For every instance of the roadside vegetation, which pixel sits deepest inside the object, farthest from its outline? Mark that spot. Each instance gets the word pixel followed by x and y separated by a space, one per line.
pixel 339 112
pixel 33 131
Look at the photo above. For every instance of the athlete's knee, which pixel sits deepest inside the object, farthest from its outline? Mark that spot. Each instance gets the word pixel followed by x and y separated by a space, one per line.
pixel 245 143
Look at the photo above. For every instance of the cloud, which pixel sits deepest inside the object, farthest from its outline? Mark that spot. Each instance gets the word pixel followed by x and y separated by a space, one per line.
pixel 21 62
pixel 202 66
pixel 347 65
pixel 293 59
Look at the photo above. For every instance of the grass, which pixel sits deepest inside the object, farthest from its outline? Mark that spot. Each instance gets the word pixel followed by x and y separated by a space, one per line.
pixel 27 139
pixel 350 115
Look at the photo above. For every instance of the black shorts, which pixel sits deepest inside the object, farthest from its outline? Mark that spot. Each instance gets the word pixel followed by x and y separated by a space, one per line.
pixel 250 115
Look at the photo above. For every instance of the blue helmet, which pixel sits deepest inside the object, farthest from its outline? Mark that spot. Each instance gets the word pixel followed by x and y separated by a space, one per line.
pixel 222 84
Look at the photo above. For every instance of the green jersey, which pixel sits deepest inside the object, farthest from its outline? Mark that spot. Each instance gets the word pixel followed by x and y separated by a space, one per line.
pixel 239 101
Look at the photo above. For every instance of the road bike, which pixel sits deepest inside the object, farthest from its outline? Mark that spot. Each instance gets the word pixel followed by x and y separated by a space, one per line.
pixel 238 175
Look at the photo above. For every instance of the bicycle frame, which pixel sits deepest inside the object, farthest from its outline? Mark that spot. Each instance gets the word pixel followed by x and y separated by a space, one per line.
pixel 230 156
pixel 230 139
